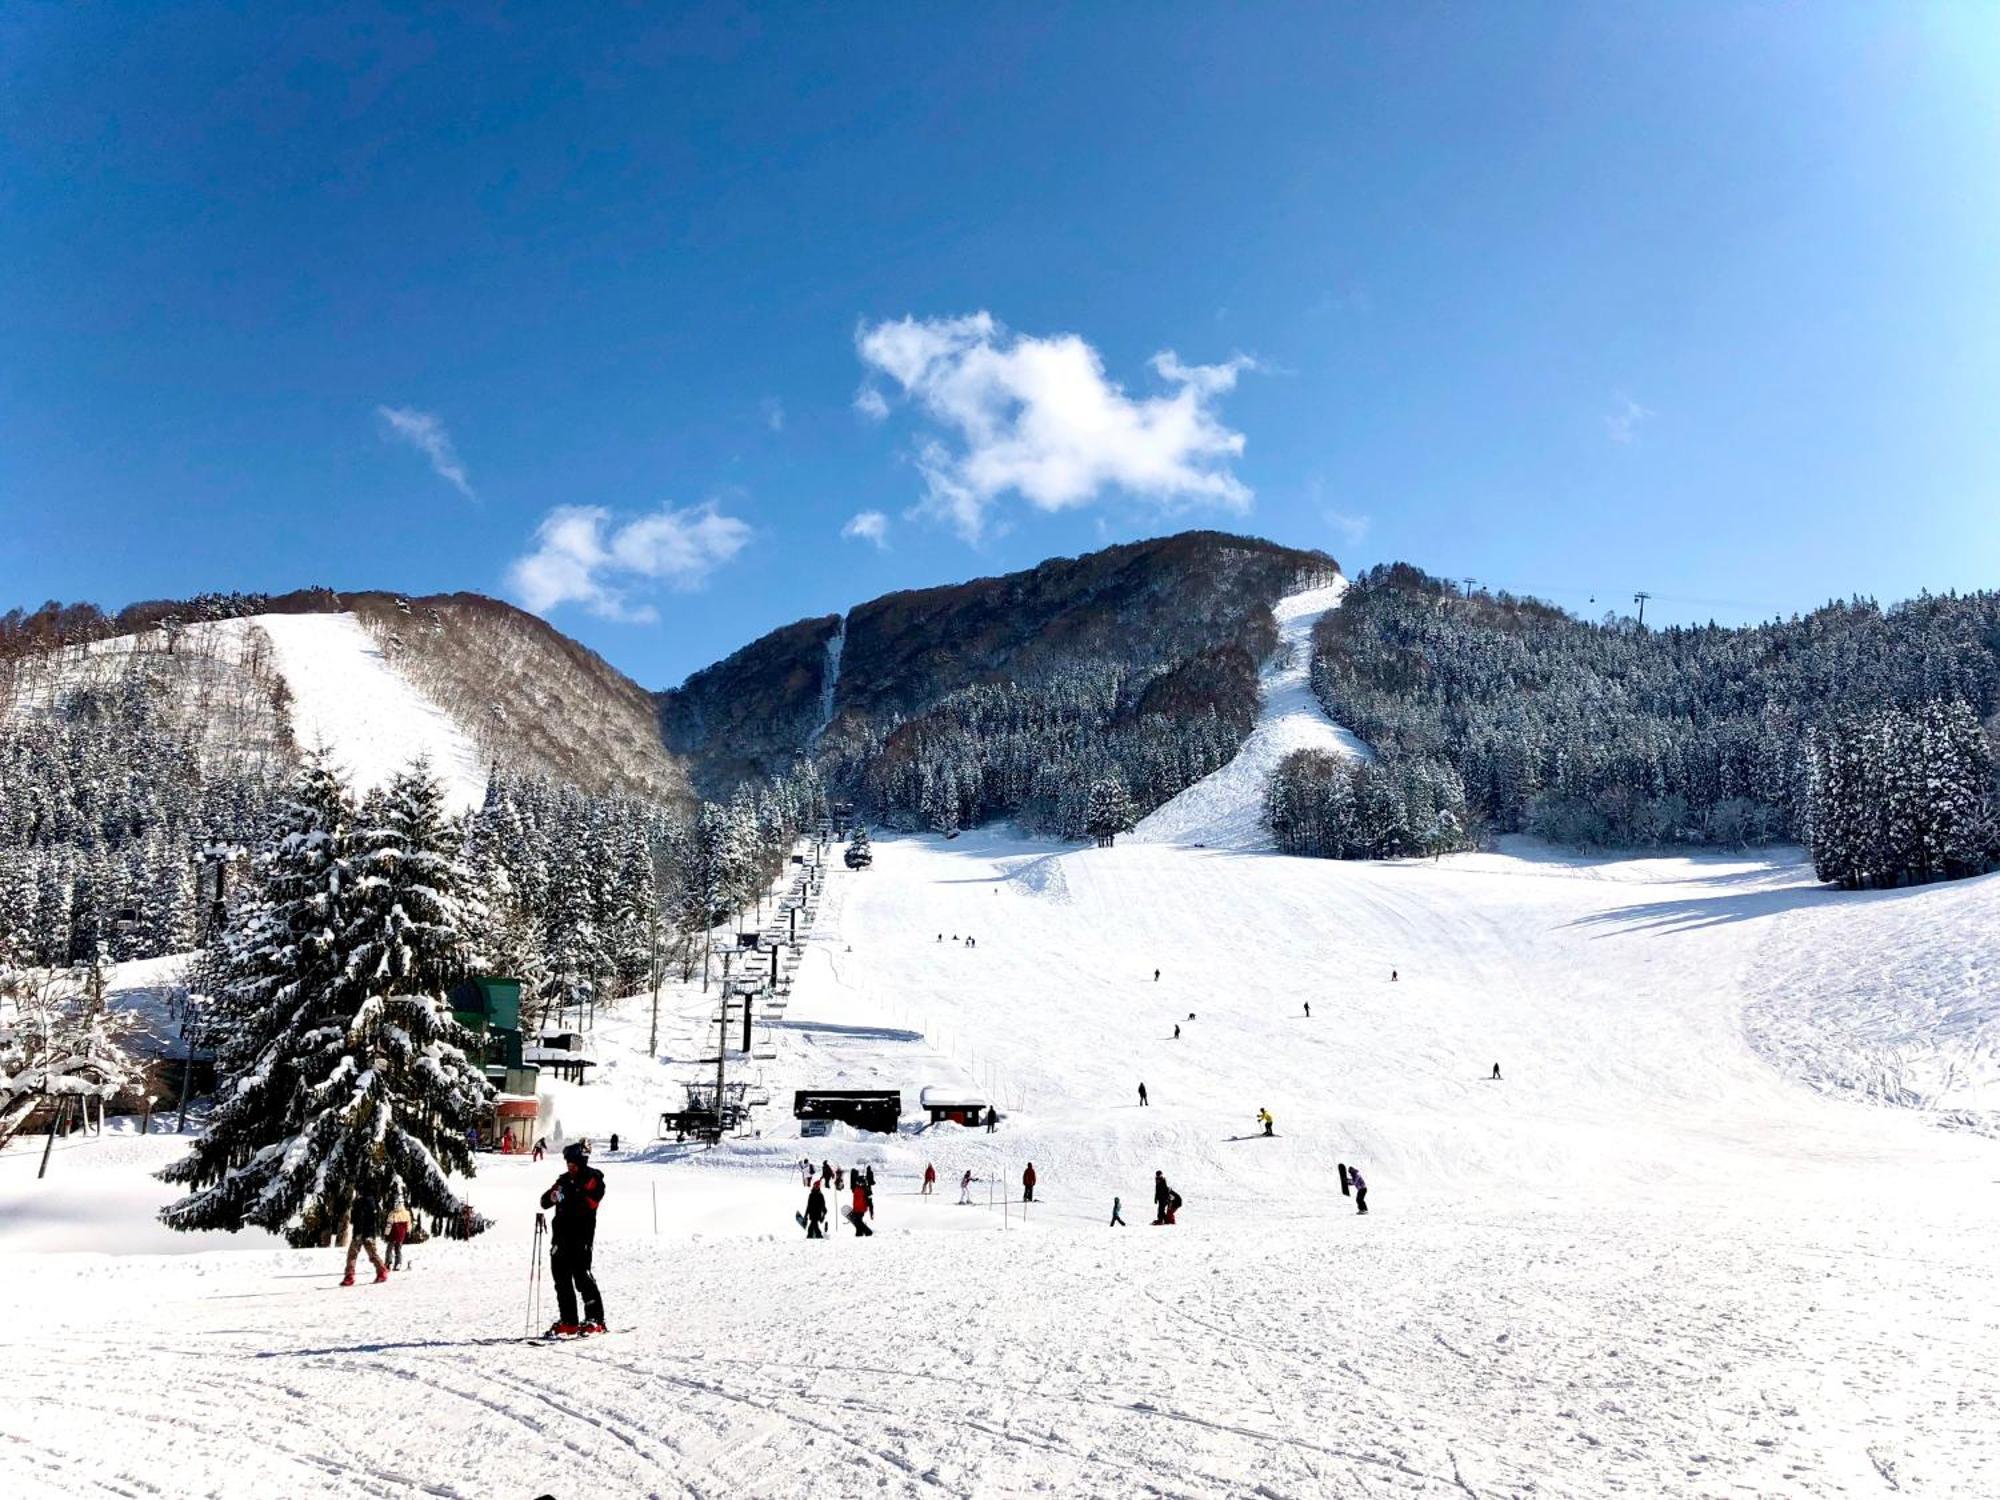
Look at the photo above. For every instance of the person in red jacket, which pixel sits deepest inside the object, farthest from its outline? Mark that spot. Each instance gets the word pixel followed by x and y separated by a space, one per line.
pixel 863 1207
pixel 930 1179
pixel 1028 1184
pixel 572 1235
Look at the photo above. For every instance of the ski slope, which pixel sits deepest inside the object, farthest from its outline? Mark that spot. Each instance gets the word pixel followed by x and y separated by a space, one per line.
pixel 349 699
pixel 1225 809
pixel 1659 1257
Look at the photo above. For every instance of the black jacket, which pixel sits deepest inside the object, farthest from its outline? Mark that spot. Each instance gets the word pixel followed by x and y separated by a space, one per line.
pixel 815 1203
pixel 574 1197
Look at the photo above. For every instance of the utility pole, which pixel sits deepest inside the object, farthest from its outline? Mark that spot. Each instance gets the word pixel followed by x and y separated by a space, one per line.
pixel 1640 599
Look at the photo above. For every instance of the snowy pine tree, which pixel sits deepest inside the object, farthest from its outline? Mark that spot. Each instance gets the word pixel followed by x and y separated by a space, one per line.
pixel 345 1075
pixel 1109 812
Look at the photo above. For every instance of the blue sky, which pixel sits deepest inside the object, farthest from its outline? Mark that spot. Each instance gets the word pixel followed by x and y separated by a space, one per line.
pixel 678 324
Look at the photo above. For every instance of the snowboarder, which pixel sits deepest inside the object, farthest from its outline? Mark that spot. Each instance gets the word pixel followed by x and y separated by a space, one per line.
pixel 1496 1070
pixel 1161 1194
pixel 863 1207
pixel 614 1143
pixel 965 1187
pixel 1117 1218
pixel 1264 1119
pixel 1142 1096
pixel 399 1234
pixel 1028 1184
pixel 574 1196
pixel 364 1223
pixel 815 1219
pixel 930 1179
pixel 1343 1178
pixel 1360 1189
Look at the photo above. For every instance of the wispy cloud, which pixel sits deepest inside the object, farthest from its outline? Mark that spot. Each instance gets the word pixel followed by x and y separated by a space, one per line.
pixel 867 526
pixel 870 403
pixel 583 556
pixel 774 413
pixel 1039 418
pixel 424 432
pixel 1626 418
pixel 1352 529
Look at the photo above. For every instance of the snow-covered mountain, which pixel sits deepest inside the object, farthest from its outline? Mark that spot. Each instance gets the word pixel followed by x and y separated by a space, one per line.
pixel 465 681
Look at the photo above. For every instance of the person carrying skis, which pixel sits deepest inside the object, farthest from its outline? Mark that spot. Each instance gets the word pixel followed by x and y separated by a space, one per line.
pixel 364 1223
pixel 574 1196
pixel 1028 1184
pixel 930 1179
pixel 965 1187
pixel 1142 1096
pixel 1161 1194
pixel 1264 1119
pixel 1360 1185
pixel 816 1213
pixel 399 1234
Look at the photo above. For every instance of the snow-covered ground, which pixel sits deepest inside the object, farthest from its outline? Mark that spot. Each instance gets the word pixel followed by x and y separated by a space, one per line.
pixel 347 697
pixel 1653 1259
pixel 1225 810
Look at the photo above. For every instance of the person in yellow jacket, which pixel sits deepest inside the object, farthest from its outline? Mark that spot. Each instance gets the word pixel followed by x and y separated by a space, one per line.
pixel 1264 1119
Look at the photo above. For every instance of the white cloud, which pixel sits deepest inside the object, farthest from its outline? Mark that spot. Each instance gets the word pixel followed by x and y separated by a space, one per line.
pixel 1623 425
pixel 868 401
pixel 1036 416
pixel 423 431
pixel 774 413
pixel 581 556
pixel 867 526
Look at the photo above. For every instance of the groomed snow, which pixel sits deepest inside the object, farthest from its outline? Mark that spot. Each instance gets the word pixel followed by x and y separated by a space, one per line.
pixel 1225 810
pixel 1651 1260
pixel 347 697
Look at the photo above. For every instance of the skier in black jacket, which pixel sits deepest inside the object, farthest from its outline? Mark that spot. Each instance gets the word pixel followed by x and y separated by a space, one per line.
pixel 1162 1195
pixel 574 1196
pixel 816 1213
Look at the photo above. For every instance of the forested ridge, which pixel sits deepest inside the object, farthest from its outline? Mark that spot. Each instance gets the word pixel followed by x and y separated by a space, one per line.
pixel 1608 734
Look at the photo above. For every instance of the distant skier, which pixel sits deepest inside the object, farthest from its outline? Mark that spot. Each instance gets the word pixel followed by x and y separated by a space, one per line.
pixel 1360 1189
pixel 1028 1184
pixel 574 1196
pixel 1496 1070
pixel 826 1172
pixel 1309 1010
pixel 930 1179
pixel 940 937
pixel 1142 1096
pixel 1117 1218
pixel 1392 976
pixel 965 1187
pixel 1156 976
pixel 1264 1119
pixel 816 1213
pixel 364 1223
pixel 614 1143
pixel 1177 1031
pixel 1162 1196
pixel 992 1119
pixel 399 1235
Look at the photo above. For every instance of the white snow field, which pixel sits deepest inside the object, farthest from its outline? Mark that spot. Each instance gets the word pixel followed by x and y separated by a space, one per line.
pixel 1666 1255
pixel 349 699
pixel 1225 810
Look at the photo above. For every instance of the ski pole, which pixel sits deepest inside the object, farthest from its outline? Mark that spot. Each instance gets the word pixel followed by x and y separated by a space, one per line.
pixel 534 1275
